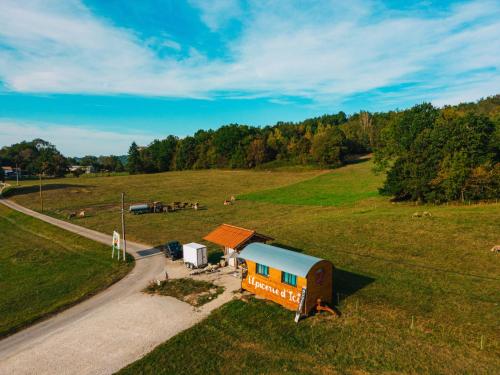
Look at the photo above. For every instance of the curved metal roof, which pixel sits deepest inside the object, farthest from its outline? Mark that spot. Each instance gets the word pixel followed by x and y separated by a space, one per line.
pixel 279 258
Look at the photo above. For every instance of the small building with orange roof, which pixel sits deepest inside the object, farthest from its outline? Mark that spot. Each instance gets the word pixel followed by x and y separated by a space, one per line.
pixel 233 239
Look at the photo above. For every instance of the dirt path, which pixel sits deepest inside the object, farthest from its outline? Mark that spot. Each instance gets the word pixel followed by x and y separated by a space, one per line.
pixel 112 329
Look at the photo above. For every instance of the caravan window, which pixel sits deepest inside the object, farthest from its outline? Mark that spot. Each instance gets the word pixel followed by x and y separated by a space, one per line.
pixel 261 269
pixel 288 278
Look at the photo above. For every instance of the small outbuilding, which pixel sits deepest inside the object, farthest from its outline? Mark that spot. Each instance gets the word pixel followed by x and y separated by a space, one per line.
pixel 282 276
pixel 9 171
pixel 233 239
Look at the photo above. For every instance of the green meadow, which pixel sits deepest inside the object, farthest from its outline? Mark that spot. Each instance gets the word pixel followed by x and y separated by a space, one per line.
pixel 343 186
pixel 44 269
pixel 417 294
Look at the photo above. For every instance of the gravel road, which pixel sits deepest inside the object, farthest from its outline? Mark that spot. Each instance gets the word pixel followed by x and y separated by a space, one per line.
pixel 112 329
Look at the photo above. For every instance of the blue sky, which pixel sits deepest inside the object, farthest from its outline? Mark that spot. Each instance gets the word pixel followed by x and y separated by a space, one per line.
pixel 92 76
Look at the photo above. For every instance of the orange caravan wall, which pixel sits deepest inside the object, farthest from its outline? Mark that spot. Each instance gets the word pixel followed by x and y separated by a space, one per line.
pixel 318 283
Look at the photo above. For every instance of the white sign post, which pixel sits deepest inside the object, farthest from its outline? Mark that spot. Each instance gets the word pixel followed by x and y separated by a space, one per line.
pixel 116 245
pixel 301 305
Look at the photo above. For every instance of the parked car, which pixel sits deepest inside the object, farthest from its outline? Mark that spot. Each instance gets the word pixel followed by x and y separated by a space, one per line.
pixel 173 250
pixel 195 255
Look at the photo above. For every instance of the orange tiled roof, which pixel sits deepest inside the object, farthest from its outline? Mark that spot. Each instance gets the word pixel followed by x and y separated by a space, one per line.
pixel 229 235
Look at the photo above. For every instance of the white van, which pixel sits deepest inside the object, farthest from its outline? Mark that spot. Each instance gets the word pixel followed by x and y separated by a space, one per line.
pixel 195 255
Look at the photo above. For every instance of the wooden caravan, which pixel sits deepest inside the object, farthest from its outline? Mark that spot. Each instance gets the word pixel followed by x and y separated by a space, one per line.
pixel 233 239
pixel 280 275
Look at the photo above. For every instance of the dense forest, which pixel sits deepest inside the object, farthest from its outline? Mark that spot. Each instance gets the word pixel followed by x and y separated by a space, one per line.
pixel 324 140
pixel 429 154
pixel 434 155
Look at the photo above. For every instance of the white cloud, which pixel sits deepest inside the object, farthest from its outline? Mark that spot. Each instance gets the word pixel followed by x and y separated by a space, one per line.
pixel 326 52
pixel 71 140
pixel 171 44
pixel 217 13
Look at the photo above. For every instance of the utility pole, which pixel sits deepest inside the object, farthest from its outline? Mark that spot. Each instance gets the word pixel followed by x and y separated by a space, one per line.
pixel 123 227
pixel 41 195
pixel 17 175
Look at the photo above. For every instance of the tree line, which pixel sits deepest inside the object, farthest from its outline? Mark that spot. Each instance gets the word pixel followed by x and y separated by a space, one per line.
pixel 428 154
pixel 325 140
pixel 109 163
pixel 39 156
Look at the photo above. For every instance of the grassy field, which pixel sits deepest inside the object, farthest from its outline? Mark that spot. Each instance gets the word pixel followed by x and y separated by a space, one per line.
pixel 100 197
pixel 390 267
pixel 44 269
pixel 348 188
pixel 261 338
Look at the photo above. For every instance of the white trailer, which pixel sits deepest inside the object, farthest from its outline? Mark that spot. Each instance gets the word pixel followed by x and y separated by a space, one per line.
pixel 195 255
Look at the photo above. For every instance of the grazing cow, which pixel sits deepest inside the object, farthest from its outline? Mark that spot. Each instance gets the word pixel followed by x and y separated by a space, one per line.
pixel 71 215
pixel 226 202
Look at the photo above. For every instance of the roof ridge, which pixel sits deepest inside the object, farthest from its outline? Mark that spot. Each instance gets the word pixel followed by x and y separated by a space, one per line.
pixel 234 226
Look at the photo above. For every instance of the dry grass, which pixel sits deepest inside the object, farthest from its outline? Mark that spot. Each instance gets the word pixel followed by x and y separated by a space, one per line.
pixel 194 292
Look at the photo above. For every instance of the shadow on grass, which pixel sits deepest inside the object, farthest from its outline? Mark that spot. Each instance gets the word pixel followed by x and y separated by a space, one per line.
pixel 346 283
pixel 21 190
